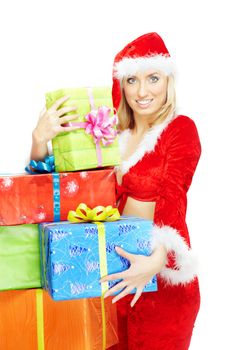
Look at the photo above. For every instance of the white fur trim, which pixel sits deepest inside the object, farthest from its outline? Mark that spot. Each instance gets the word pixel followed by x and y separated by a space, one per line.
pixel 130 66
pixel 186 262
pixel 147 144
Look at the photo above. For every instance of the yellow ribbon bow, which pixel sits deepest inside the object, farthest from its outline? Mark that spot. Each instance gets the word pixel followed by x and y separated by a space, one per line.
pixel 84 214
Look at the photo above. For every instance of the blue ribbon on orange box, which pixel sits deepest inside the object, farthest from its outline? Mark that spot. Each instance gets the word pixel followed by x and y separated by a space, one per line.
pixel 44 167
pixel 56 196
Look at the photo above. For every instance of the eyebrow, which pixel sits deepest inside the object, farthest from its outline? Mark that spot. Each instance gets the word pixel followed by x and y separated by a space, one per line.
pixel 135 75
pixel 153 73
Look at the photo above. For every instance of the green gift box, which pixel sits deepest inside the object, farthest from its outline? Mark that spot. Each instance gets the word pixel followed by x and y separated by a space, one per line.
pixel 95 142
pixel 19 257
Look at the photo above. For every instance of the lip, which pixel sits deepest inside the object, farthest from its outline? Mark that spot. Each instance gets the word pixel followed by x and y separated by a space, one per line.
pixel 144 105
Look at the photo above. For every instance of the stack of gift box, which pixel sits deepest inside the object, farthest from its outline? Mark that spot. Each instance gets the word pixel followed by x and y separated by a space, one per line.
pixel 41 250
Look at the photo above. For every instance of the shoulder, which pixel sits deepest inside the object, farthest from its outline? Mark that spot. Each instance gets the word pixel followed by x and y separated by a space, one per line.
pixel 182 127
pixel 182 121
pixel 181 136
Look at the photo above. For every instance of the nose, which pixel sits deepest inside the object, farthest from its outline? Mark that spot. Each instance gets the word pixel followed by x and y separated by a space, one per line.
pixel 142 89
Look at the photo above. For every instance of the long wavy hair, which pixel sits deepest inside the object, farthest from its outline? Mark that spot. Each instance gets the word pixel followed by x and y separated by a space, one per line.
pixel 126 116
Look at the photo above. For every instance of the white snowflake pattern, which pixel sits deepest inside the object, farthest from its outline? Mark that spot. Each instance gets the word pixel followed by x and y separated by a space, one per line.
pixel 7 182
pixel 72 187
pixel 84 174
pixel 41 216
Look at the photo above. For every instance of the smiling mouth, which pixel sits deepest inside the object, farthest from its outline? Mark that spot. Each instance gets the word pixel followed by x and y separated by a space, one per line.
pixel 144 103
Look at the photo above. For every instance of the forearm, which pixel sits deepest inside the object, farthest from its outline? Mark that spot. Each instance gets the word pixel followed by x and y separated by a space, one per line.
pixel 39 147
pixel 159 257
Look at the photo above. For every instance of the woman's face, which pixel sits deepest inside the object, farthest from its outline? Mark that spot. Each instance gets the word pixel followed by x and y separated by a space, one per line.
pixel 146 92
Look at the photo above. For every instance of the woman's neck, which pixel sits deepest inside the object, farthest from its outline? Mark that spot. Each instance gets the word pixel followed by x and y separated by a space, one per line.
pixel 142 124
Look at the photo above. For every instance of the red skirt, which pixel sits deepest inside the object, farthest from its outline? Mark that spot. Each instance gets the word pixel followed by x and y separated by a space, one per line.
pixel 162 320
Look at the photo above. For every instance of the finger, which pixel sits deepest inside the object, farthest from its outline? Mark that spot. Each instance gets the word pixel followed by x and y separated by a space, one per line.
pixel 114 289
pixel 68 118
pixel 65 110
pixel 124 254
pixel 125 292
pixel 136 297
pixel 66 128
pixel 59 102
pixel 113 277
pixel 43 111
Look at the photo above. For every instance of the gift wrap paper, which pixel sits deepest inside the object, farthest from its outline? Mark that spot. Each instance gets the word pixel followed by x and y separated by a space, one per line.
pixel 31 320
pixel 76 150
pixel 19 257
pixel 26 199
pixel 70 255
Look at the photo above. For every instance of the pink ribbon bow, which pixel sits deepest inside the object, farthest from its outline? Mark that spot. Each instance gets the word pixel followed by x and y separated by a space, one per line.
pixel 101 126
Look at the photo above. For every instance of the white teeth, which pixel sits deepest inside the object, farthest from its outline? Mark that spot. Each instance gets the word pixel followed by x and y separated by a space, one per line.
pixel 144 102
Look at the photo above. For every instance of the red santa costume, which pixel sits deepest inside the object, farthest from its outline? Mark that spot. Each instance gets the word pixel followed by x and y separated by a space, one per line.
pixel 161 171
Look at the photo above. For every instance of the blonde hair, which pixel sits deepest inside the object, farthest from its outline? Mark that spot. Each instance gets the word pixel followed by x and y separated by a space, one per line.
pixel 125 113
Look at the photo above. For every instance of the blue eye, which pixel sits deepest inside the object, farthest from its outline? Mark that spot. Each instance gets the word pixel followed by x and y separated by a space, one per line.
pixel 131 80
pixel 154 78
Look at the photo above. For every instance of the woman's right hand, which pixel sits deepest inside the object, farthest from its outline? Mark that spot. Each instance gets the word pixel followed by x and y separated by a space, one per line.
pixel 51 120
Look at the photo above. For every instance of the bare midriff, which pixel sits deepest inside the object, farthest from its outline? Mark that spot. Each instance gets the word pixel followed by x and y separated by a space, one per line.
pixel 138 208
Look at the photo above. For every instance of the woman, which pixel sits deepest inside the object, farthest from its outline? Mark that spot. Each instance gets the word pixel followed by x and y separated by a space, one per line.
pixel 160 151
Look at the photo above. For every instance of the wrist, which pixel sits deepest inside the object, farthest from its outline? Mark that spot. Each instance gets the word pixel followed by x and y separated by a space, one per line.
pixel 160 256
pixel 37 138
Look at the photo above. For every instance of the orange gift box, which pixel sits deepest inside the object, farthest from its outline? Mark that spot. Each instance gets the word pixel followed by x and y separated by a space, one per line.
pixel 31 320
pixel 27 199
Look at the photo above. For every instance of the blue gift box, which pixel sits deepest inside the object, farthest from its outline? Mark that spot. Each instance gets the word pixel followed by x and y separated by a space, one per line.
pixel 70 261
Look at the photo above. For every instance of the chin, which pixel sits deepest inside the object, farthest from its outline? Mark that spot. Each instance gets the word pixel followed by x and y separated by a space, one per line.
pixel 146 113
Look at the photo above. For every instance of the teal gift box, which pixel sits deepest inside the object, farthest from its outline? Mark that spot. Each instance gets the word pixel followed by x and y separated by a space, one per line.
pixel 72 255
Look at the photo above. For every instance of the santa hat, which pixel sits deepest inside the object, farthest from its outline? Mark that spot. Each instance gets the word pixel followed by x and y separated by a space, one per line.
pixel 146 52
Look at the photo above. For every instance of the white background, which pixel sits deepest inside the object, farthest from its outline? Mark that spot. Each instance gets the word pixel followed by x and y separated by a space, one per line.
pixel 47 45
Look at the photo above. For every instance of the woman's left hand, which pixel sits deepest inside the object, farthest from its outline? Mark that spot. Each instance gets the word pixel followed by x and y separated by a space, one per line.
pixel 141 271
